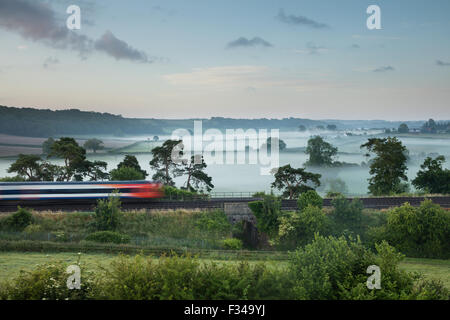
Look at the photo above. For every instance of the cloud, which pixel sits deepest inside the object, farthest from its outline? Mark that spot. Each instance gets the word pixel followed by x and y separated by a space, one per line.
pixel 300 20
pixel 384 69
pixel 355 46
pixel 119 49
pixel 37 21
pixel 244 42
pixel 313 49
pixel 49 62
pixel 442 63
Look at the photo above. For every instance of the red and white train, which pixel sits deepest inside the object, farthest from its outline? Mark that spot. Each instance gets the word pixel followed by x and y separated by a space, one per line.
pixel 22 191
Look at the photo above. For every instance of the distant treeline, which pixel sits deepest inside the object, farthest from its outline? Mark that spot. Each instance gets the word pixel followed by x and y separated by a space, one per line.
pixel 46 123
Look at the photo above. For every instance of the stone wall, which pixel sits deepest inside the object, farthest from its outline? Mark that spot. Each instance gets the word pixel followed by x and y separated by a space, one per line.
pixel 238 211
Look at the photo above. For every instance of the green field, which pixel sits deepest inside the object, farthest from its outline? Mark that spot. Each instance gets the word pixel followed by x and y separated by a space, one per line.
pixel 12 262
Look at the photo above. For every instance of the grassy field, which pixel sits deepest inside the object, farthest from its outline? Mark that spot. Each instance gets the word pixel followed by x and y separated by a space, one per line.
pixel 137 147
pixel 12 262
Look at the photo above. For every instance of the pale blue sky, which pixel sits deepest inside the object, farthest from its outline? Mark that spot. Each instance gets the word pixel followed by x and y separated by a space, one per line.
pixel 229 58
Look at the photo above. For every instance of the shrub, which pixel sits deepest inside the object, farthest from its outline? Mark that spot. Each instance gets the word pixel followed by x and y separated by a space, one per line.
pixel 185 278
pixel 19 220
pixel 126 174
pixel 347 215
pixel 33 228
pixel 181 194
pixel 107 214
pixel 298 228
pixel 310 197
pixel 213 221
pixel 417 232
pixel 108 237
pixel 232 244
pixel 267 212
pixel 47 282
pixel 12 179
pixel 335 268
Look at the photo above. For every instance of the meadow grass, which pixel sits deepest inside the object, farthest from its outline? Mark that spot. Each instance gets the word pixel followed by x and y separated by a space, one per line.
pixel 12 262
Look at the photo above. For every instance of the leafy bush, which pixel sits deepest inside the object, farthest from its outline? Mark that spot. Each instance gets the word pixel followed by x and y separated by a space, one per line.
pixel 126 174
pixel 12 179
pixel 175 278
pixel 232 244
pixel 417 232
pixel 19 220
pixel 267 212
pixel 108 237
pixel 347 215
pixel 213 221
pixel 33 228
pixel 298 228
pixel 47 282
pixel 181 194
pixel 108 214
pixel 335 268
pixel 310 197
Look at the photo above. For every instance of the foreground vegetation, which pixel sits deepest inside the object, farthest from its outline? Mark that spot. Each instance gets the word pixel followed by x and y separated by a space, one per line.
pixel 319 253
pixel 11 263
pixel 327 268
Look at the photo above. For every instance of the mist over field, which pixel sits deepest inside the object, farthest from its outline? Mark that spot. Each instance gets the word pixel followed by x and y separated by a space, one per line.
pixel 247 178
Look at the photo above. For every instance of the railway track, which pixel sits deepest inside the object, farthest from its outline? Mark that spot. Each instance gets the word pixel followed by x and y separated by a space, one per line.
pixel 135 204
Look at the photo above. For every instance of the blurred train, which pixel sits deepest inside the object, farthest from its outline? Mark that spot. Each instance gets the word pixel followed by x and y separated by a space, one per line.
pixel 24 191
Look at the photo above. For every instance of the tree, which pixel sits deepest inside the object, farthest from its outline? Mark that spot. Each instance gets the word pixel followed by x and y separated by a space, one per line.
pixel 429 127
pixel 294 181
pixel 298 228
pixel 165 164
pixel 156 138
pixel 47 146
pixel 51 172
pixel 332 127
pixel 132 162
pixel 388 168
pixel 336 186
pixel 94 145
pixel 26 166
pixel 403 128
pixel 126 174
pixel 309 198
pixel 281 144
pixel 196 177
pixel 108 214
pixel 320 152
pixel 72 154
pixel 433 178
pixel 95 171
pixel 301 128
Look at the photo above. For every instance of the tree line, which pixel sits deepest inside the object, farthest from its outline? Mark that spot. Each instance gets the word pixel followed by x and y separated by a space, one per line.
pixel 387 168
pixel 76 167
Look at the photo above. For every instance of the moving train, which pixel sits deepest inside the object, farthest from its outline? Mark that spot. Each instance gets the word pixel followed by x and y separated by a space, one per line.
pixel 24 191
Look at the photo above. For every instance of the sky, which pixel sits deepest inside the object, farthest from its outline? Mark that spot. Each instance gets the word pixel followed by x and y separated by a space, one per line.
pixel 234 58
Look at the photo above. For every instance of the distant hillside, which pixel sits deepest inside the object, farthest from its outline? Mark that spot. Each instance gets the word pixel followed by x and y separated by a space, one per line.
pixel 32 122
pixel 45 123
